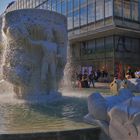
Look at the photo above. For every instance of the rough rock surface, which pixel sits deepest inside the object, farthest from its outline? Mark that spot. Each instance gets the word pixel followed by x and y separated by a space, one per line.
pixel 125 120
pixel 35 51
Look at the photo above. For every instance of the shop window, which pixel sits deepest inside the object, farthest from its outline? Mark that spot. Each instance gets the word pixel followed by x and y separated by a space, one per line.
pixel 84 48
pixel 91 47
pixel 100 45
pixel 122 44
pixel 109 44
pixel 135 45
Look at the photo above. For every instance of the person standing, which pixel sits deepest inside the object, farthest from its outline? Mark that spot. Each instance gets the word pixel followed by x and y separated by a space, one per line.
pixel 92 79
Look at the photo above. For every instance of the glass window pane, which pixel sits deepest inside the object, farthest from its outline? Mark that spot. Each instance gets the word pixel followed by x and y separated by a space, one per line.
pixel 59 6
pixel 64 7
pixel 54 5
pixel 91 11
pixel 83 15
pixel 76 4
pixel 76 13
pixel 70 14
pixel 83 12
pixel 99 9
pixel 127 9
pixel 91 47
pixel 109 44
pixel 135 10
pixel 108 8
pixel 100 45
pixel 70 6
pixel 83 2
pixel 29 4
pixel 49 5
pixel 128 44
pixel 135 45
pixel 118 8
pixel 84 48
pixel 76 18
pixel 70 20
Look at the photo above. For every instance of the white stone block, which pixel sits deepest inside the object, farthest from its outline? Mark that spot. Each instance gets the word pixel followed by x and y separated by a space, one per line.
pixel 35 51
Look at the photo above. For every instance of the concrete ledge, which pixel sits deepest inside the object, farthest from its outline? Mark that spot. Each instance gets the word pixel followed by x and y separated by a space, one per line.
pixel 82 134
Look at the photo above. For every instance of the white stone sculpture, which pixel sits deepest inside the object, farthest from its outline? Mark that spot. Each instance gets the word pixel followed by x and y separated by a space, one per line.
pixel 125 120
pixel 133 84
pixel 118 116
pixel 35 51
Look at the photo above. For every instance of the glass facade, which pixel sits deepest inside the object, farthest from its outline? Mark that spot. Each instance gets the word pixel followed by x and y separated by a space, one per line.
pixel 128 9
pixel 78 12
pixel 105 52
pixel 96 46
pixel 97 53
pixel 90 13
pixel 85 17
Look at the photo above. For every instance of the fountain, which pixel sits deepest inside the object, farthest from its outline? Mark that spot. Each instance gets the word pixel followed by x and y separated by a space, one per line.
pixel 33 60
pixel 34 53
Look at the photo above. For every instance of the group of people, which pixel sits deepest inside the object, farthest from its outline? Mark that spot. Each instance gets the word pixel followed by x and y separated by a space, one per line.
pixel 132 74
pixel 87 79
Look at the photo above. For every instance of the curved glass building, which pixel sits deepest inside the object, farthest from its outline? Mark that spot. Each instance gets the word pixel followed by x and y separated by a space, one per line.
pixel 103 34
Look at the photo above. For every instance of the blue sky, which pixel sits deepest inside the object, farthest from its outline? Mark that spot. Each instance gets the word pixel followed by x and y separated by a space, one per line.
pixel 3 4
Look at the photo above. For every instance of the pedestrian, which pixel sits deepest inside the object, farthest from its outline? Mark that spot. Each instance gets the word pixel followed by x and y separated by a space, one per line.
pixel 92 79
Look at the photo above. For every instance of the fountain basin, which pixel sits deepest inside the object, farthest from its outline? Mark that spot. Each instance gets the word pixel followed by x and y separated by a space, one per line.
pixel 62 119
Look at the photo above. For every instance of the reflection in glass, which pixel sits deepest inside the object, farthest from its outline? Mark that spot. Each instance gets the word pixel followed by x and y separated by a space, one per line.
pixel 83 12
pixel 99 9
pixel 70 20
pixel 91 11
pixel 118 7
pixel 135 10
pixel 108 8
pixel 100 45
pixel 70 14
pixel 64 7
pixel 76 13
pixel 54 5
pixel 109 44
pixel 59 7
pixel 126 9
